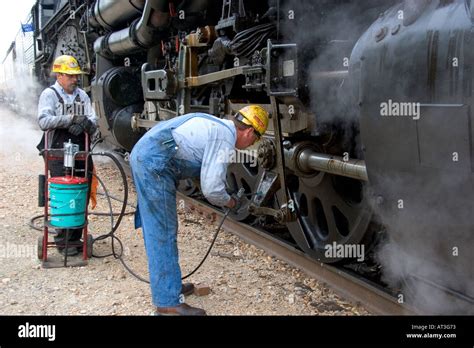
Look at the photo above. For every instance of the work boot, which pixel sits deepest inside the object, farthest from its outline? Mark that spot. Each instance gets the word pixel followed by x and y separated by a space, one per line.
pixel 187 289
pixel 71 251
pixel 181 310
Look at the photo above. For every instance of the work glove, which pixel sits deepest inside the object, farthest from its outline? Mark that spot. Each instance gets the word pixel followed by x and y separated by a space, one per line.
pixel 78 119
pixel 76 129
pixel 89 126
pixel 239 200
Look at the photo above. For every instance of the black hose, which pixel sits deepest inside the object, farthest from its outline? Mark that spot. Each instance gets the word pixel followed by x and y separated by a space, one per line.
pixel 124 182
pixel 114 228
pixel 118 200
pixel 248 41
pixel 210 247
pixel 124 205
pixel 111 234
pixel 31 222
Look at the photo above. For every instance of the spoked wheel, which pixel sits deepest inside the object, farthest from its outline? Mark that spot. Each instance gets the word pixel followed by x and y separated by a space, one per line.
pixel 187 187
pixel 246 175
pixel 331 209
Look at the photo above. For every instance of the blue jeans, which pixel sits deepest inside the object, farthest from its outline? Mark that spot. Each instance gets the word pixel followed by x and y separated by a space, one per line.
pixel 156 172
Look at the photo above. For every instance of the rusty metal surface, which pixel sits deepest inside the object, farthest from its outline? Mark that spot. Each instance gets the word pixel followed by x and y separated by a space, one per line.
pixel 346 285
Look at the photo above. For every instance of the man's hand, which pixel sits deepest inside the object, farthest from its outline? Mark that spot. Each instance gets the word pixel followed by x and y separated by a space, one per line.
pixel 82 121
pixel 236 201
pixel 89 126
pixel 78 119
pixel 76 129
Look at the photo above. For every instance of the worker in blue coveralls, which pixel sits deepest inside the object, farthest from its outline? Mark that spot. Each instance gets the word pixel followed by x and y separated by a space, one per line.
pixel 188 146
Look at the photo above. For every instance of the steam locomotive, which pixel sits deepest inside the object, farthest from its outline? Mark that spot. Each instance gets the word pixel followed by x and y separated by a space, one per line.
pixel 371 136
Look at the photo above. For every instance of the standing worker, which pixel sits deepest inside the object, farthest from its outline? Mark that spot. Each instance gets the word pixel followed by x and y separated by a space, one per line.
pixel 66 111
pixel 189 146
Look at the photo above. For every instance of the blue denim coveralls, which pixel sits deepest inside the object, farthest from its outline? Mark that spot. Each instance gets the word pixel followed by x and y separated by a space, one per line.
pixel 156 173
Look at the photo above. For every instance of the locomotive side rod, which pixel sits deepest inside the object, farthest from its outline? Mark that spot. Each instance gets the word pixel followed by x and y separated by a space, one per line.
pixel 287 210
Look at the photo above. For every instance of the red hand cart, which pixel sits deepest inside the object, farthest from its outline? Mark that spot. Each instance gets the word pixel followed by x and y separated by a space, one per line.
pixel 51 154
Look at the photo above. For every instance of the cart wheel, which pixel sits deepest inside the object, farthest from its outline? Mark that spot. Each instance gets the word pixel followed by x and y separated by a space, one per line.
pixel 90 240
pixel 39 248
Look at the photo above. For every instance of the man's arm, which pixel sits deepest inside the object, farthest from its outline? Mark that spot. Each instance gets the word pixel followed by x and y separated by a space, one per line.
pixel 89 110
pixel 47 118
pixel 214 171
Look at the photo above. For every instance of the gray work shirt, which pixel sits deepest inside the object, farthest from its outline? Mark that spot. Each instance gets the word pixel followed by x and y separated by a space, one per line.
pixel 53 115
pixel 210 143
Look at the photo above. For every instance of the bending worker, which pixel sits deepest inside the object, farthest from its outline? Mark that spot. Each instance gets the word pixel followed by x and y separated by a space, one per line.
pixel 189 146
pixel 66 111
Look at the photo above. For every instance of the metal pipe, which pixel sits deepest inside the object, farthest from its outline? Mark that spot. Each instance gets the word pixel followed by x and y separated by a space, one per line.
pixel 121 42
pixel 331 75
pixel 140 34
pixel 111 14
pixel 309 160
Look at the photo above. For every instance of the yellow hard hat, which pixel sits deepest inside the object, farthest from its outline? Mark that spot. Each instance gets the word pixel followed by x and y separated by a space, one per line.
pixel 67 65
pixel 255 116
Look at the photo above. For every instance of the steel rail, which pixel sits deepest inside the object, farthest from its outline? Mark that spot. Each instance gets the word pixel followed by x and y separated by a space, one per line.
pixel 345 284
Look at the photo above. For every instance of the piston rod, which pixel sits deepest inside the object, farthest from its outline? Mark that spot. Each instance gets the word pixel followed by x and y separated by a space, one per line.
pixel 309 161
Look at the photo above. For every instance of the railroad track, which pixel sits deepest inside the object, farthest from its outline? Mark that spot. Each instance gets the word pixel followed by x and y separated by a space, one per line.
pixel 347 285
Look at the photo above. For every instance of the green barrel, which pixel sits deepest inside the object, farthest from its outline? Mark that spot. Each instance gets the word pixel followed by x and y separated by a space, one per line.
pixel 68 199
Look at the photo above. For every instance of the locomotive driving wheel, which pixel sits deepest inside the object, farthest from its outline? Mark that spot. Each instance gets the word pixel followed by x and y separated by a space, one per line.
pixel 330 209
pixel 243 175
